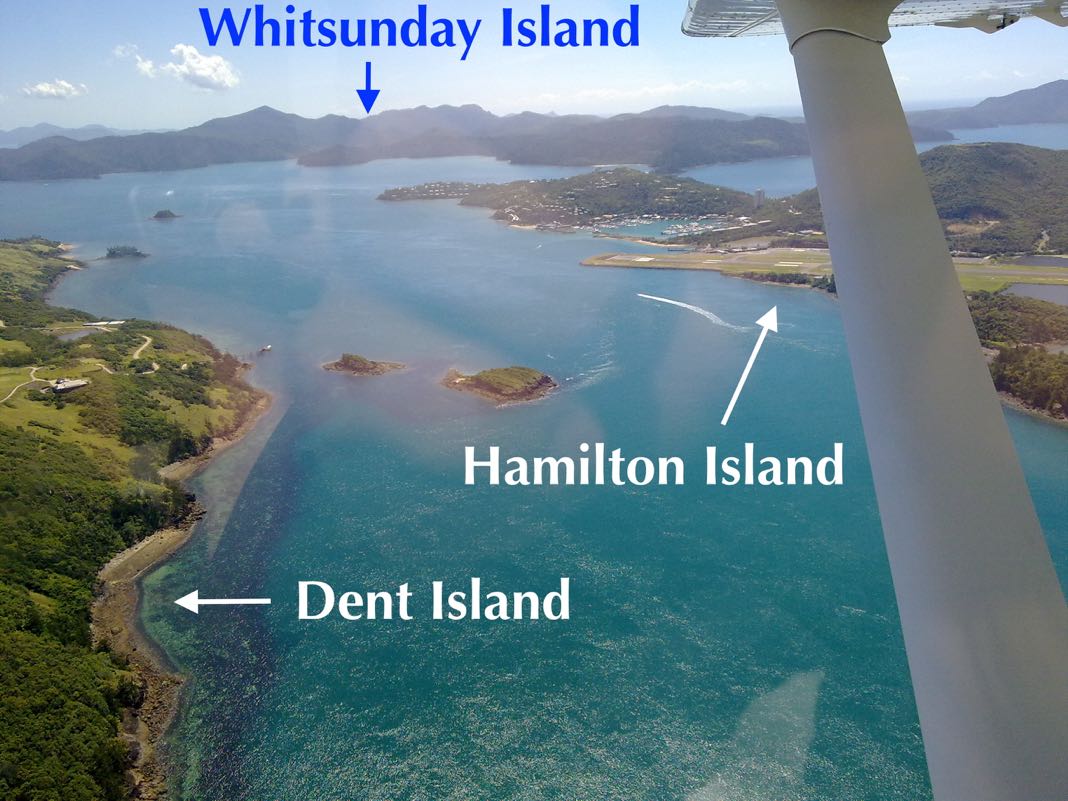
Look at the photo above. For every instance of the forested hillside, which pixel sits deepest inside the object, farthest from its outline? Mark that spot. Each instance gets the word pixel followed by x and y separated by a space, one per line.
pixel 1021 328
pixel 1000 197
pixel 78 483
pixel 993 199
pixel 597 198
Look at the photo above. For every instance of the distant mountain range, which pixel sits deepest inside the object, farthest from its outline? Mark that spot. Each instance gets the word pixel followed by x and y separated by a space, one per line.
pixel 668 138
pixel 665 141
pixel 693 112
pixel 1045 103
pixel 17 137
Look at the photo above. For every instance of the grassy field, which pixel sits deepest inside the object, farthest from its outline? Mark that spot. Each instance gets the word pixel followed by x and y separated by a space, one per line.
pixel 198 417
pixel 73 418
pixel 179 387
pixel 508 380
pixel 13 347
pixel 64 425
pixel 973 274
pixel 180 384
pixel 30 267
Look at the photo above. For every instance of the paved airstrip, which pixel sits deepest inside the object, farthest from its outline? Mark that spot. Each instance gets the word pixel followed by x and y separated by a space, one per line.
pixel 974 273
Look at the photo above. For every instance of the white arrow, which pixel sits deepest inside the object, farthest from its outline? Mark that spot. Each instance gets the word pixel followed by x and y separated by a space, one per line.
pixel 769 321
pixel 193 601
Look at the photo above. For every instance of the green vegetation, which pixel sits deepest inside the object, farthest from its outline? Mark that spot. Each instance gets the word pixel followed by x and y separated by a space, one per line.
pixel 124 252
pixel 1035 376
pixel 351 361
pixel 782 222
pixel 27 268
pixel 435 190
pixel 813 240
pixel 993 199
pixel 79 482
pixel 60 703
pixel 358 365
pixel 503 384
pixel 824 282
pixel 1005 319
pixel 601 198
pixel 1001 198
pixel 509 380
pixel 1018 327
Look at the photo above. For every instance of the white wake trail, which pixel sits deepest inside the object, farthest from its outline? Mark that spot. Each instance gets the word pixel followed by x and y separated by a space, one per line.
pixel 703 312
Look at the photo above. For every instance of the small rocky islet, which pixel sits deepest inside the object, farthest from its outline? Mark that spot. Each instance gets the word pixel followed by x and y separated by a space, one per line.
pixel 354 364
pixel 503 385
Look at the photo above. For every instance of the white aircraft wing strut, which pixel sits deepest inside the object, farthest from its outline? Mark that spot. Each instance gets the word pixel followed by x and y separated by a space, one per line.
pixel 984 618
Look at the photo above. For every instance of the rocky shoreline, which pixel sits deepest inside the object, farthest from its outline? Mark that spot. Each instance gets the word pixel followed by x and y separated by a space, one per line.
pixel 116 624
pixel 1013 402
pixel 352 364
pixel 503 386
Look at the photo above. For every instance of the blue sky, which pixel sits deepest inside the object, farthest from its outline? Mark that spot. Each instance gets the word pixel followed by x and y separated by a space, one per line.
pixel 148 65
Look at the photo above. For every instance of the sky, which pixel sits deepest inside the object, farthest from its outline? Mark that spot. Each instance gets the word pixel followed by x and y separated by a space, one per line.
pixel 149 65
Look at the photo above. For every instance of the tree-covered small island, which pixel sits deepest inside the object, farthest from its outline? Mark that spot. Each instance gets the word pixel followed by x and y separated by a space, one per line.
pixel 503 385
pixel 357 365
pixel 165 214
pixel 124 252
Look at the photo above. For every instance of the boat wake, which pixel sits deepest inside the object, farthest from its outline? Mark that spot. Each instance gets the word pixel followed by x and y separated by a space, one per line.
pixel 604 365
pixel 703 312
pixel 587 378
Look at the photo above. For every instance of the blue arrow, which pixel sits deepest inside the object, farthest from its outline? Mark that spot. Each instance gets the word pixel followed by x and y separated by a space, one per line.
pixel 368 96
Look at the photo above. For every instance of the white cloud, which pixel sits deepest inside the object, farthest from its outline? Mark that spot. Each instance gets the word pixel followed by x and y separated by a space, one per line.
pixel 207 72
pixel 56 90
pixel 144 65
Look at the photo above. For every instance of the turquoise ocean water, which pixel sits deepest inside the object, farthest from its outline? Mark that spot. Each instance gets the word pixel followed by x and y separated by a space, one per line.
pixel 725 644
